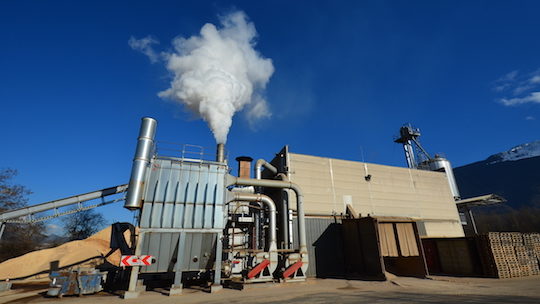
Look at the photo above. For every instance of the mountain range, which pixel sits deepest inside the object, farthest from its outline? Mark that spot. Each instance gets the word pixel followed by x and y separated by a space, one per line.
pixel 513 174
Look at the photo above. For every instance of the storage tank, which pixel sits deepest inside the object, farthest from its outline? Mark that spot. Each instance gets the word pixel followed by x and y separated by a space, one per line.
pixel 441 164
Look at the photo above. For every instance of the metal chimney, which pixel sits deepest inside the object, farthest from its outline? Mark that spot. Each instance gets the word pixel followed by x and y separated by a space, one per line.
pixel 220 154
pixel 244 166
pixel 143 154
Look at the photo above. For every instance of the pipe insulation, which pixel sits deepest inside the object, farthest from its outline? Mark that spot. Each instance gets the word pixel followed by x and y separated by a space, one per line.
pixel 143 154
pixel 261 198
pixel 232 180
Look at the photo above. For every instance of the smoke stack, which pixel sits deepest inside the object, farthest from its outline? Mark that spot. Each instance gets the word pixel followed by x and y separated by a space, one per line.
pixel 220 154
pixel 244 166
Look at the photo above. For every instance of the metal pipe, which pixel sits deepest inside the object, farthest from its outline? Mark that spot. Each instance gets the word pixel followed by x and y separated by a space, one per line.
pixel 263 163
pixel 285 228
pixel 250 197
pixel 220 154
pixel 472 221
pixel 283 176
pixel 232 180
pixel 143 154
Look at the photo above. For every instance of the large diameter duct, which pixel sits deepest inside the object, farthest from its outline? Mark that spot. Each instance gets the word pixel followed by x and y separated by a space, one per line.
pixel 283 185
pixel 261 198
pixel 143 154
pixel 259 164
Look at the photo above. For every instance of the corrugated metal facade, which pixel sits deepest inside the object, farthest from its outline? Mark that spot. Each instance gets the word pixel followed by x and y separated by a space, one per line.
pixel 330 184
pixel 184 195
pixel 325 247
pixel 183 210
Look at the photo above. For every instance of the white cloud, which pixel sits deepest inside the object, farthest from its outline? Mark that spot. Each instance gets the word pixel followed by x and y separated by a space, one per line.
pixel 535 79
pixel 510 76
pixel 533 97
pixel 144 45
pixel 501 87
pixel 521 88
pixel 506 81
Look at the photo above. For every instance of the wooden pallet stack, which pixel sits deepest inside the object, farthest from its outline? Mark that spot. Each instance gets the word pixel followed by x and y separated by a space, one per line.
pixel 531 241
pixel 509 254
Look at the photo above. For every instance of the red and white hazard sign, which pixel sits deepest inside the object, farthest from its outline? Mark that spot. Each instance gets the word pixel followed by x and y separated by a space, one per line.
pixel 133 260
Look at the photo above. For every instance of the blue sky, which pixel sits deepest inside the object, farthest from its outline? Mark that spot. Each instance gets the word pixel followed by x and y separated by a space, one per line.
pixel 347 75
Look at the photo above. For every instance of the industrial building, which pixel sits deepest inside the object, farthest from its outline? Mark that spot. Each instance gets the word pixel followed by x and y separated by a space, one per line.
pixel 330 185
pixel 335 189
pixel 296 216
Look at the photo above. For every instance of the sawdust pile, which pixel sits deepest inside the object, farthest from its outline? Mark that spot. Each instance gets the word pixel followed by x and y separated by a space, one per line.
pixel 89 252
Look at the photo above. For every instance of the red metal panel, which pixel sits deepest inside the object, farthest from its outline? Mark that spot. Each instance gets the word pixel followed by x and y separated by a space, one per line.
pixel 255 271
pixel 291 270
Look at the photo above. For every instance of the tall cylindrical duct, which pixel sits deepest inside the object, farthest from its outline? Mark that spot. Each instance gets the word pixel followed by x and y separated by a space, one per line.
pixel 244 166
pixel 220 154
pixel 143 154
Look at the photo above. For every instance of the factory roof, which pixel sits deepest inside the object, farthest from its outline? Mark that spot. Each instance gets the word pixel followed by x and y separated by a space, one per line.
pixel 483 200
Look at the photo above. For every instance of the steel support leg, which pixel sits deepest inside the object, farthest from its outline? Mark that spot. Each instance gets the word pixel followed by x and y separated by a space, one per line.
pixel 132 291
pixel 176 288
pixel 217 266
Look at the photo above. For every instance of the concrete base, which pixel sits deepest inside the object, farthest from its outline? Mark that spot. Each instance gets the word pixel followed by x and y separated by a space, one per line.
pixel 175 290
pixel 140 286
pixel 295 280
pixel 215 288
pixel 131 295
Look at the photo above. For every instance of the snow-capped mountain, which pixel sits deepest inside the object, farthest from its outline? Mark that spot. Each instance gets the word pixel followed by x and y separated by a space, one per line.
pixel 523 151
pixel 514 174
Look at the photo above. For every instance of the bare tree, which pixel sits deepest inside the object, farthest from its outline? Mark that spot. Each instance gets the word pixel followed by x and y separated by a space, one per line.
pixel 83 224
pixel 17 239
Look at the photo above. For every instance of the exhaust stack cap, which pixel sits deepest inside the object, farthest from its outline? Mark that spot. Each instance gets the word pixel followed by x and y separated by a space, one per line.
pixel 244 166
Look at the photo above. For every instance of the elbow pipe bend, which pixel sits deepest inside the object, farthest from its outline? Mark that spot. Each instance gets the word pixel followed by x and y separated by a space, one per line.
pixel 259 164
pixel 261 198
pixel 280 184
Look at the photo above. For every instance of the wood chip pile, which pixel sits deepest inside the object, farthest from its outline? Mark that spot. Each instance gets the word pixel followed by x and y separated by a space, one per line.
pixel 89 252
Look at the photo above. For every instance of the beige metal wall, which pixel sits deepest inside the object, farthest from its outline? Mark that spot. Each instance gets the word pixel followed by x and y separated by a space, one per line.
pixel 330 184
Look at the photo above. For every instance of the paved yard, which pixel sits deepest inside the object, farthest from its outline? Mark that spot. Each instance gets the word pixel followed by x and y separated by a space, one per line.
pixel 398 290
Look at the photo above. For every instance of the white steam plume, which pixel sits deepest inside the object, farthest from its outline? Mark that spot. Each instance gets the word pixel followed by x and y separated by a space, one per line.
pixel 144 46
pixel 218 73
